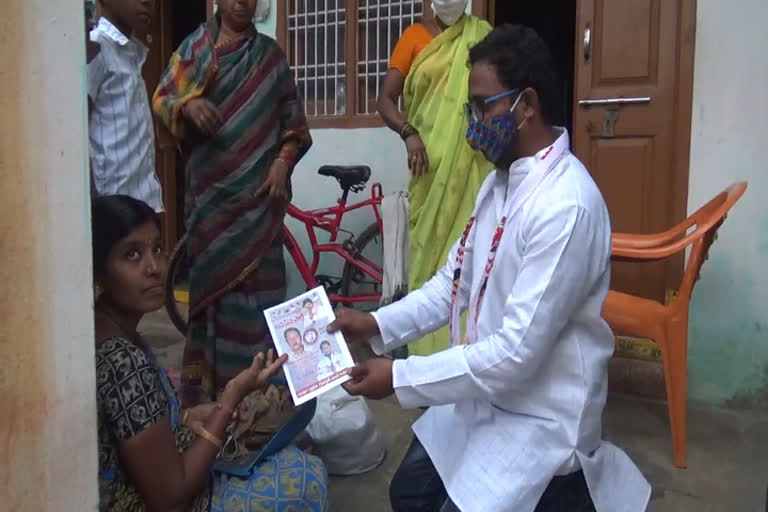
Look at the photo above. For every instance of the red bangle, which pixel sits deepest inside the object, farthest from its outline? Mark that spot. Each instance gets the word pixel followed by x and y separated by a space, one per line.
pixel 288 159
pixel 286 162
pixel 288 155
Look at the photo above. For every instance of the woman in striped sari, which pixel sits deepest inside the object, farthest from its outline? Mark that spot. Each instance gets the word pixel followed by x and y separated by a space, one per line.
pixel 229 96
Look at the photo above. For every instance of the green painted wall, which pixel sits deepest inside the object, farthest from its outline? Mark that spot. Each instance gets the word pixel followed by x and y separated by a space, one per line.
pixel 728 351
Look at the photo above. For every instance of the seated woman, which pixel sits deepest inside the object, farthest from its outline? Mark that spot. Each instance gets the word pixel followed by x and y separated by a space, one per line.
pixel 148 459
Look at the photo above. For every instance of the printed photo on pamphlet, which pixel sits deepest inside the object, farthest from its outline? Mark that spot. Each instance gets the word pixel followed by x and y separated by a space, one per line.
pixel 317 360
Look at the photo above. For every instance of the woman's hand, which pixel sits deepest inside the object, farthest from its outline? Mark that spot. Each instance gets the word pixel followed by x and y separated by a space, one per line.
pixel 196 417
pixel 204 115
pixel 253 378
pixel 277 186
pixel 418 162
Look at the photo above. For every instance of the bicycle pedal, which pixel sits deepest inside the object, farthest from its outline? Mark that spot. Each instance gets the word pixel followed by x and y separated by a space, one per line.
pixel 331 284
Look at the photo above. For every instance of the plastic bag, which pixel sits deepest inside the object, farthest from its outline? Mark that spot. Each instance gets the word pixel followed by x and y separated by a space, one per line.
pixel 345 434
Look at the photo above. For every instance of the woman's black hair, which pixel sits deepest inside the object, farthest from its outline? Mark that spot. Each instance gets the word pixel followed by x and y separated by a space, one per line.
pixel 112 219
pixel 521 59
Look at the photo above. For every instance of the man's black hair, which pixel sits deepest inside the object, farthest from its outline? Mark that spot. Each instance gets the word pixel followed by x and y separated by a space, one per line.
pixel 521 59
pixel 285 333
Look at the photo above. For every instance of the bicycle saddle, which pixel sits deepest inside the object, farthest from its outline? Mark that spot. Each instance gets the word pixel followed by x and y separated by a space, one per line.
pixel 348 176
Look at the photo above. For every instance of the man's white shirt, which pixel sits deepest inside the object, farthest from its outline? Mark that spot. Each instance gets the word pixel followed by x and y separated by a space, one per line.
pixel 524 402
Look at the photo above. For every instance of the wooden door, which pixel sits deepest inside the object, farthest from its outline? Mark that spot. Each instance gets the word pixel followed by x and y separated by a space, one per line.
pixel 160 41
pixel 632 112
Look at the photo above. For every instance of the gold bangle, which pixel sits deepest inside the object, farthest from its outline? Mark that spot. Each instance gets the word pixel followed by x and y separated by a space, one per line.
pixel 185 417
pixel 202 432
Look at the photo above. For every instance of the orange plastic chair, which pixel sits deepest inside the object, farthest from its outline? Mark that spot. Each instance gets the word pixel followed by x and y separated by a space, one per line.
pixel 667 325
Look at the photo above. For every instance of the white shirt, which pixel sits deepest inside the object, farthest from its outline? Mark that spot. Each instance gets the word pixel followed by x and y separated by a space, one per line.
pixel 121 134
pixel 328 366
pixel 524 402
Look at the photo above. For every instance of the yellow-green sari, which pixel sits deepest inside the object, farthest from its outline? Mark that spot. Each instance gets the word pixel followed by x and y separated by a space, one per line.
pixel 435 91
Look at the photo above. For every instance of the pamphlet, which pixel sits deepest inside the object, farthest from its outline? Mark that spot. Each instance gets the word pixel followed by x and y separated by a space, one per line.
pixel 317 360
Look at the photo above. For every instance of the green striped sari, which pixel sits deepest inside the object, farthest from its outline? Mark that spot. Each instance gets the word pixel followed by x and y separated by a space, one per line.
pixel 234 240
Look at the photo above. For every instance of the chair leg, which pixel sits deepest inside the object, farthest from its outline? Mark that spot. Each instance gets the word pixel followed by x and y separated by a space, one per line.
pixel 675 356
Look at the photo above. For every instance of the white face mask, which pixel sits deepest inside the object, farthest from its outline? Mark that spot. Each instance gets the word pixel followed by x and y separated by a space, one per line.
pixel 449 11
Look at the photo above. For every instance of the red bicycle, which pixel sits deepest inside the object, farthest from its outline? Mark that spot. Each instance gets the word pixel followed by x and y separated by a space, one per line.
pixel 360 282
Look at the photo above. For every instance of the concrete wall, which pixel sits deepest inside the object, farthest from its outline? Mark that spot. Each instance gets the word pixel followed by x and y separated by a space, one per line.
pixel 728 352
pixel 48 441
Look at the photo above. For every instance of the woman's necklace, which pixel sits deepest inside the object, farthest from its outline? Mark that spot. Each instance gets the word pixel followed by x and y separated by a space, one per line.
pixel 222 41
pixel 129 333
pixel 226 36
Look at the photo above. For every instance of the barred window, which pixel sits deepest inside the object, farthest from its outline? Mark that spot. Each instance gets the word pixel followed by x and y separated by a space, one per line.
pixel 338 69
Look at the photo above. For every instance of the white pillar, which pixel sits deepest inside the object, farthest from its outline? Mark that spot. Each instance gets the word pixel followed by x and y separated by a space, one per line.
pixel 48 446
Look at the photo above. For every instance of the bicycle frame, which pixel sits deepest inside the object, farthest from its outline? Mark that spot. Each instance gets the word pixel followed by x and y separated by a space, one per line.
pixel 329 219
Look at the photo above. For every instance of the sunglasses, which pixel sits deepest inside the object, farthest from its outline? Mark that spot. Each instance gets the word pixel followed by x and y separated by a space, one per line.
pixel 475 110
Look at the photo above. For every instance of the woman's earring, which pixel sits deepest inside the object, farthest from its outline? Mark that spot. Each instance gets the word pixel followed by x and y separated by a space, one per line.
pixel 97 291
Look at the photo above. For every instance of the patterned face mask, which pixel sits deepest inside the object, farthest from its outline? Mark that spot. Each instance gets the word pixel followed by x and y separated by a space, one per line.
pixel 492 139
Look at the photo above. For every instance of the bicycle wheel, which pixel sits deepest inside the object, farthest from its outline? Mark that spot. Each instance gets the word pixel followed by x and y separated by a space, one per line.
pixel 175 272
pixel 353 281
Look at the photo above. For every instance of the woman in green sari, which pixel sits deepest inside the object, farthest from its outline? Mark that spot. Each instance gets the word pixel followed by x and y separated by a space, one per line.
pixel 429 70
pixel 229 96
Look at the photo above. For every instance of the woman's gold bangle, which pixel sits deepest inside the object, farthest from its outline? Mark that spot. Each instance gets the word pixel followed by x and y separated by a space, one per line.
pixel 202 432
pixel 185 417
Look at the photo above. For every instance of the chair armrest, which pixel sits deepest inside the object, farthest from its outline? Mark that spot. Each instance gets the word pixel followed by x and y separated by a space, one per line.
pixel 650 253
pixel 630 240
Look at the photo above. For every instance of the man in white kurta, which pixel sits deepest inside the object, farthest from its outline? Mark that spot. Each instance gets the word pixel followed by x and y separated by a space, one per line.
pixel 516 404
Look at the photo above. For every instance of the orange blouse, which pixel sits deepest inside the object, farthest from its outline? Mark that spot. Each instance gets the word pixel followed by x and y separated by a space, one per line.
pixel 408 47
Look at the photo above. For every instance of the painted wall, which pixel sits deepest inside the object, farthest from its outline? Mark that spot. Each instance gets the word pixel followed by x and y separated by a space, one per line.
pixel 48 443
pixel 728 352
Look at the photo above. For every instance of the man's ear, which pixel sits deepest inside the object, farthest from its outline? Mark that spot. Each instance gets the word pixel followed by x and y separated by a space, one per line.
pixel 530 102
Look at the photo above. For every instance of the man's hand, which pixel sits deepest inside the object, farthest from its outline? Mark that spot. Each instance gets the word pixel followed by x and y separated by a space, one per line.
pixel 356 326
pixel 204 115
pixel 277 185
pixel 372 379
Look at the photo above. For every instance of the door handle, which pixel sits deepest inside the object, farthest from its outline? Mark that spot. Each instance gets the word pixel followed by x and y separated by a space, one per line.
pixel 639 100
pixel 587 42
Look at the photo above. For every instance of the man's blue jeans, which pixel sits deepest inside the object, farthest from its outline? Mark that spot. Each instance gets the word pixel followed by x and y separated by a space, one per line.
pixel 416 487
